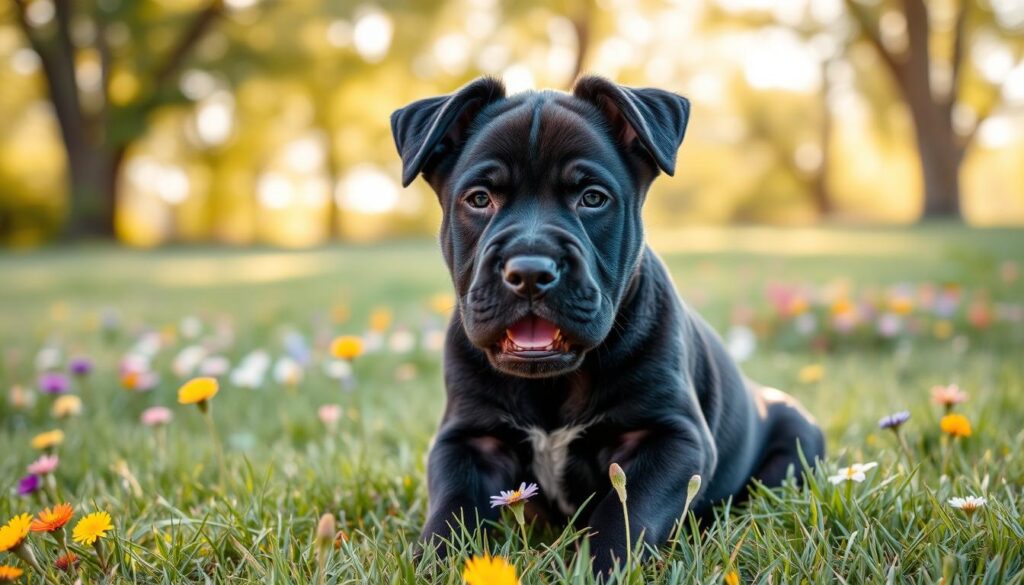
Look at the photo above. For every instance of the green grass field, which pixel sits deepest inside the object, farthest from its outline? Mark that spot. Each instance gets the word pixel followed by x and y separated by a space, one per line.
pixel 175 520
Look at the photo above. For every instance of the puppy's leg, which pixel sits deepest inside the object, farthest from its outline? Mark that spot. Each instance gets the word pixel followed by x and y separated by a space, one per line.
pixel 657 475
pixel 789 425
pixel 462 472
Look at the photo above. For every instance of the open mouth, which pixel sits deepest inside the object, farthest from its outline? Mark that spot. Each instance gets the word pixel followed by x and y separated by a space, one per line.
pixel 533 337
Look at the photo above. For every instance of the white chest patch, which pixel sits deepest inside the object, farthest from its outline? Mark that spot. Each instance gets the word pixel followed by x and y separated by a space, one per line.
pixel 550 454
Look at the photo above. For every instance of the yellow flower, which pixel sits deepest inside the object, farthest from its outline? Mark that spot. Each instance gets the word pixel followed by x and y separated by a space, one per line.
pixel 731 578
pixel 14 532
pixel 811 373
pixel 92 527
pixel 442 303
pixel 347 347
pixel 9 574
pixel 67 405
pixel 488 570
pixel 956 425
pixel 48 440
pixel 380 319
pixel 198 390
pixel 942 329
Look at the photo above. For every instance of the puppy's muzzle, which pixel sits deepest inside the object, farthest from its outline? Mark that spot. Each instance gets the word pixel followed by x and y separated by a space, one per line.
pixel 530 277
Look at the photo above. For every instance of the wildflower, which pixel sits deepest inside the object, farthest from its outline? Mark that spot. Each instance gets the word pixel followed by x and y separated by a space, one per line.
pixel 855 472
pixel 53 383
pixel 513 497
pixel 618 478
pixel 14 532
pixel 53 519
pixel 968 505
pixel 948 396
pixel 329 414
pixel 45 465
pixel 811 373
pixel 487 570
pixel 80 366
pixel 380 319
pixel 347 347
pixel 9 574
pixel 29 484
pixel 956 425
pixel 325 531
pixel 20 398
pixel 67 562
pixel 198 391
pixel 92 528
pixel 287 372
pixel 731 578
pixel 894 421
pixel 156 416
pixel 67 406
pixel 48 440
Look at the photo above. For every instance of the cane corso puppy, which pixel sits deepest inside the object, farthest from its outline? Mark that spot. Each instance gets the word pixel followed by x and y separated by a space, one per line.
pixel 569 348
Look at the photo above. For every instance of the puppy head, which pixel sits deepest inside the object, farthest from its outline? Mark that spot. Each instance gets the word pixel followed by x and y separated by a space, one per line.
pixel 541 194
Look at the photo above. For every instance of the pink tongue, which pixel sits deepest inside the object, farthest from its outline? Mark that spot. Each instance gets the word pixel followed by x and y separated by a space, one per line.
pixel 533 333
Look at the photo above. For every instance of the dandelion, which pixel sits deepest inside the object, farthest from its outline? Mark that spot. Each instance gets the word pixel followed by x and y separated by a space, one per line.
pixel 9 574
pixel 29 485
pixel 53 383
pixel 199 391
pixel 380 319
pixel 53 519
pixel 12 540
pixel 956 426
pixel 66 406
pixel 618 479
pixel 731 578
pixel 156 416
pixel 948 396
pixel 811 373
pixel 969 504
pixel 45 465
pixel 854 473
pixel 515 501
pixel 347 347
pixel 488 570
pixel 91 530
pixel 48 440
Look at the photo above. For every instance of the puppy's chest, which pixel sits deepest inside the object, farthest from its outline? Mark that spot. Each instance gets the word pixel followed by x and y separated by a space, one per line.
pixel 550 458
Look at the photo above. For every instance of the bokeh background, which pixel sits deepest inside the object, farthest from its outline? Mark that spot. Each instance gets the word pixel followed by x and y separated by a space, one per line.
pixel 266 121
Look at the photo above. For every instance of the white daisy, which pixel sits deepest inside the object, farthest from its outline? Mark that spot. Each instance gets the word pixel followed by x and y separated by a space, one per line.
pixel 855 472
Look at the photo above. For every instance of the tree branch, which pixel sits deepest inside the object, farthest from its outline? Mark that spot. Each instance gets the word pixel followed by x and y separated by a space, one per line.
pixel 871 32
pixel 201 23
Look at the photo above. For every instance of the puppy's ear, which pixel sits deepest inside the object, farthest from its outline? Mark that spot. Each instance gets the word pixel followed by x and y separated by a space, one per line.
pixel 435 126
pixel 655 117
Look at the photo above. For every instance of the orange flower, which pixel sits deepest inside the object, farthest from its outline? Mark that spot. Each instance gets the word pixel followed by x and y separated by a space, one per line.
pixel 956 425
pixel 66 562
pixel 53 519
pixel 9 574
pixel 14 532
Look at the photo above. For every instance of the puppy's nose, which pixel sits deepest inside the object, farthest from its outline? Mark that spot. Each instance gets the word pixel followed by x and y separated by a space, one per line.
pixel 530 276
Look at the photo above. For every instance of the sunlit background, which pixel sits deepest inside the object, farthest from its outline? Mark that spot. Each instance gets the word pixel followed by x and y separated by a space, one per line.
pixel 261 121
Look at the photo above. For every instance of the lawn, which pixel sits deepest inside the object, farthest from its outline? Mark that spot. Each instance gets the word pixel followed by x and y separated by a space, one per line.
pixel 856 323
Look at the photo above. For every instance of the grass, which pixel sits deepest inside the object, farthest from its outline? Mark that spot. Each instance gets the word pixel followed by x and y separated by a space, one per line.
pixel 174 523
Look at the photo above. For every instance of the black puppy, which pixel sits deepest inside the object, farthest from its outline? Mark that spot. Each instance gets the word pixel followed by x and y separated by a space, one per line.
pixel 569 349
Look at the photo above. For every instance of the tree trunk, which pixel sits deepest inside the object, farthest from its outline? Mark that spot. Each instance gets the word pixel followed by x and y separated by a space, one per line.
pixel 92 184
pixel 819 191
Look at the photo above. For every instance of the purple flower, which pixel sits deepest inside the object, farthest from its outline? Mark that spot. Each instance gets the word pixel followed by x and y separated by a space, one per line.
pixel 28 484
pixel 81 366
pixel 513 497
pixel 54 383
pixel 894 421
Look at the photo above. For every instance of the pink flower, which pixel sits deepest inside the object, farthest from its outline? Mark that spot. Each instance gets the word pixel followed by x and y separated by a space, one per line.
pixel 329 414
pixel 156 416
pixel 45 465
pixel 948 395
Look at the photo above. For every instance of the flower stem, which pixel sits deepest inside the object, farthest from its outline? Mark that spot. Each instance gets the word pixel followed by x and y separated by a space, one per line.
pixel 222 471
pixel 97 545
pixel 629 541
pixel 23 552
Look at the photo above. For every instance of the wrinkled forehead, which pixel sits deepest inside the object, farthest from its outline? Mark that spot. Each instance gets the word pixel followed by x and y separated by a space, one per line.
pixel 533 137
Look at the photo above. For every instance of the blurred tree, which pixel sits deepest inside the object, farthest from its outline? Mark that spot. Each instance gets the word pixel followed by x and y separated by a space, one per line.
pixel 909 37
pixel 104 77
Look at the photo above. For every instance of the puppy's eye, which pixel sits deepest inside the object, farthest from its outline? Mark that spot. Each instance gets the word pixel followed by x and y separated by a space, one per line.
pixel 593 199
pixel 478 199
